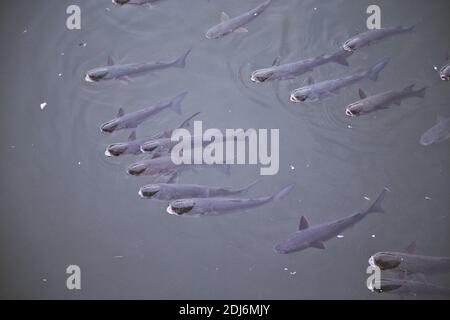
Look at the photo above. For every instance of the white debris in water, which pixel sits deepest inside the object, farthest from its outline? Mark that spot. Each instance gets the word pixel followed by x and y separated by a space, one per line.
pixel 79 163
pixel 45 280
pixel 118 257
pixel 25 31
pixel 373 236
pixel 315 9
pixel 435 68
pixel 293 273
pixel 43 105
pixel 349 126
pixel 59 74
pixel 427 198
pixel 286 269
pixel 292 168
pixel 217 268
pixel 108 9
pixel 340 236
pixel 12 147
pixel 367 198
pixel 62 53
pixel 308 165
pixel 83 44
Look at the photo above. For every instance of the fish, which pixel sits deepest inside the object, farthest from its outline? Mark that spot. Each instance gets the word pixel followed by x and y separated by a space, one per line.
pixel 368 37
pixel 384 100
pixel 133 119
pixel 438 133
pixel 320 90
pixel 295 69
pixel 444 73
pixel 133 145
pixel 236 24
pixel 164 166
pixel 134 2
pixel 166 144
pixel 219 206
pixel 407 262
pixel 171 191
pixel 411 288
pixel 123 71
pixel 314 236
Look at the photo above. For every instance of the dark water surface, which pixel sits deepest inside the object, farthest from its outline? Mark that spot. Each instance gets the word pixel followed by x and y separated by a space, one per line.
pixel 62 202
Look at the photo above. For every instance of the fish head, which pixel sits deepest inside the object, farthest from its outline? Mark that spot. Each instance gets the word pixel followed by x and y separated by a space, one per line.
pixel 387 285
pixel 261 75
pixel 116 149
pixel 294 243
pixel 181 207
pixel 110 126
pixel 385 260
pixel 150 146
pixel 136 169
pixel 354 110
pixel 302 95
pixel 215 32
pixel 350 45
pixel 445 73
pixel 96 74
pixel 149 191
pixel 426 139
pixel 120 2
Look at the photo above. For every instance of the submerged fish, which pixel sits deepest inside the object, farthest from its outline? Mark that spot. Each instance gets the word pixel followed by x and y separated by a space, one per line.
pixel 133 119
pixel 229 25
pixel 409 263
pixel 438 133
pixel 366 38
pixel 411 288
pixel 171 191
pixel 382 101
pixel 164 166
pixel 133 145
pixel 320 90
pixel 220 206
pixel 122 71
pixel 295 69
pixel 166 144
pixel 315 236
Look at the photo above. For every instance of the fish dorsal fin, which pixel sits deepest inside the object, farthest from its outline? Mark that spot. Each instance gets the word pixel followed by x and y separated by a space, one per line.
pixel 224 17
pixel 318 245
pixel 110 61
pixel 439 119
pixel 120 113
pixel 362 94
pixel 276 61
pixel 304 224
pixel 411 248
pixel 173 178
pixel 132 136
pixel 310 80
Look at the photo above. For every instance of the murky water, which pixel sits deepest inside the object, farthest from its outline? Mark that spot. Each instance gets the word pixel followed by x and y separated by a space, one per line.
pixel 63 202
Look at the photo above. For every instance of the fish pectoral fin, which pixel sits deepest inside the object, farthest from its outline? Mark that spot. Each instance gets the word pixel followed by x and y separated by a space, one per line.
pixel 276 61
pixel 362 94
pixel 224 17
pixel 110 61
pixel 318 245
pixel 241 30
pixel 132 136
pixel 120 113
pixel 304 224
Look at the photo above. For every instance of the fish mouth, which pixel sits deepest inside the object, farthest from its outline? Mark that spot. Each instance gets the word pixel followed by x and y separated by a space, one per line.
pixel 295 98
pixel 350 113
pixel 348 48
pixel 444 77
pixel 180 207
pixel 108 154
pixel 148 148
pixel 88 78
pixel 258 79
pixel 146 194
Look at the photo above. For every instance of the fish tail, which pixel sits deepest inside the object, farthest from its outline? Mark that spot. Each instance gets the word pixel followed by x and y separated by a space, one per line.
pixel 282 193
pixel 186 123
pixel 372 74
pixel 176 102
pixel 247 188
pixel 181 61
pixel 377 205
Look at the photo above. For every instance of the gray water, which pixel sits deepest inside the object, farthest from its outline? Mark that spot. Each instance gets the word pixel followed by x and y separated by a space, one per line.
pixel 62 202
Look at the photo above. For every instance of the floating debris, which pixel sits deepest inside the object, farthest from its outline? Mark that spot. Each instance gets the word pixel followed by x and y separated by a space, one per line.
pixel 43 105
pixel 286 269
pixel 340 236
pixel 350 127
pixel 435 68
pixel 373 236
pixel 427 198
pixel 79 163
pixel 59 74
pixel 292 168
pixel 293 273
pixel 118 257
pixel 25 31
pixel 83 44
pixel 367 198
